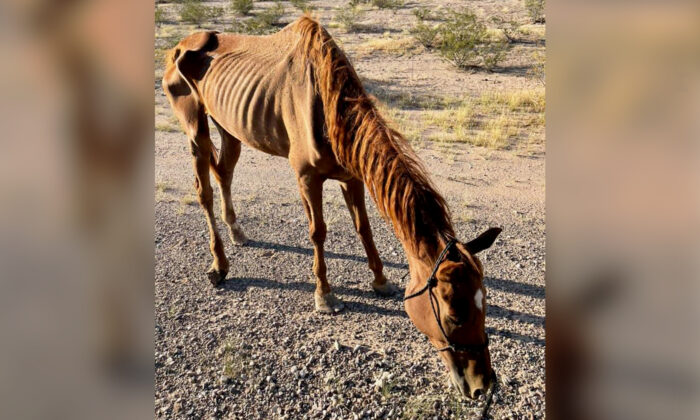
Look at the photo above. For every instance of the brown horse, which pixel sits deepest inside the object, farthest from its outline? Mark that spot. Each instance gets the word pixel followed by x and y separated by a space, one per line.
pixel 295 94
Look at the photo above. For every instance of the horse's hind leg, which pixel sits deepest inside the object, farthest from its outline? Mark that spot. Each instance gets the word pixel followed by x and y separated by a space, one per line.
pixel 311 188
pixel 354 194
pixel 223 170
pixel 202 154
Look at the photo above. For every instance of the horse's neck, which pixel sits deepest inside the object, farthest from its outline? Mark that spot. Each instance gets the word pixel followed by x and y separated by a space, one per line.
pixel 421 259
pixel 428 231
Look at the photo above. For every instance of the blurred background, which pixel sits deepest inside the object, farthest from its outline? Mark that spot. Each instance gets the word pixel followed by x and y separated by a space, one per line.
pixel 623 220
pixel 76 219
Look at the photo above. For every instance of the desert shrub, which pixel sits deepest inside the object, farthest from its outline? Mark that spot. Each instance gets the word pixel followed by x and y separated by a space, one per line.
pixel 253 26
pixel 193 11
pixel 263 23
pixel 509 27
pixel 348 17
pixel 465 41
pixel 272 15
pixel 535 8
pixel 159 15
pixel 302 5
pixel 387 4
pixel 423 13
pixel 491 53
pixel 537 69
pixel 242 7
pixel 426 34
pixel 215 12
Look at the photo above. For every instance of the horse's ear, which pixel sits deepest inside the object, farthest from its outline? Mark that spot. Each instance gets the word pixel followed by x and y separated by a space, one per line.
pixel 449 270
pixel 483 241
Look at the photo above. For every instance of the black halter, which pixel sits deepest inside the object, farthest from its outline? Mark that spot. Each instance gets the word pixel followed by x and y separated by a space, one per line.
pixel 432 282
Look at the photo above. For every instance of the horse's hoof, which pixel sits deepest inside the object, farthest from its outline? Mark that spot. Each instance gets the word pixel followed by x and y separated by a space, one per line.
pixel 328 303
pixel 216 276
pixel 386 289
pixel 237 236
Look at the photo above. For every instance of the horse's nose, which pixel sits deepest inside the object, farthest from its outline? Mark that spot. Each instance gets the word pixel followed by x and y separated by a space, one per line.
pixel 476 392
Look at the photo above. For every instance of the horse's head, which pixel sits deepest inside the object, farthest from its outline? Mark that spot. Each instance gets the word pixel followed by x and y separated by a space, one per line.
pixel 458 299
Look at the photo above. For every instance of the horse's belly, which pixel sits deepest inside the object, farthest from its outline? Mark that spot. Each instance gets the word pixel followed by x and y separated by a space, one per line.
pixel 263 140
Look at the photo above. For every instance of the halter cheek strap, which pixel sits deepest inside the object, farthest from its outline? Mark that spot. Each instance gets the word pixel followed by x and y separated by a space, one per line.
pixel 429 285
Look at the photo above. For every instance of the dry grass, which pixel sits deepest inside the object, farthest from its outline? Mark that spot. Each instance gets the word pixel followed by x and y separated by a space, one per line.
pixel 390 46
pixel 495 120
pixel 497 133
pixel 167 127
pixel 171 125
pixel 188 200
pixel 533 32
pixel 236 361
pixel 163 187
pixel 163 191
pixel 421 406
pixel 527 100
pixel 455 118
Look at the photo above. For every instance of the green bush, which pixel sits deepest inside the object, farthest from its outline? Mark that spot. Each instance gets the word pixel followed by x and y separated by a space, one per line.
pixel 348 17
pixel 272 15
pixel 509 27
pixel 302 5
pixel 388 4
pixel 159 15
pixel 193 11
pixel 464 40
pixel 242 7
pixel 535 8
pixel 423 13
pixel 426 34
pixel 263 23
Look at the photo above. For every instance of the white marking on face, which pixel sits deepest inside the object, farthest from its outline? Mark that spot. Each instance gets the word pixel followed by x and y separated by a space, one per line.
pixel 479 299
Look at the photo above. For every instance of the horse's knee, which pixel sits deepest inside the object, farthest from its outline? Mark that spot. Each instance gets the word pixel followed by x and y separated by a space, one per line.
pixel 194 149
pixel 363 229
pixel 205 194
pixel 317 232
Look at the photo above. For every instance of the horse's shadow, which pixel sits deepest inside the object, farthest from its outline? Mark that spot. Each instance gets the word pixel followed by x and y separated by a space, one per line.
pixel 242 284
pixel 310 252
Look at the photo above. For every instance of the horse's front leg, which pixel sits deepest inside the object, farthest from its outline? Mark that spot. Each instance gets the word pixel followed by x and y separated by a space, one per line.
pixel 200 147
pixel 311 188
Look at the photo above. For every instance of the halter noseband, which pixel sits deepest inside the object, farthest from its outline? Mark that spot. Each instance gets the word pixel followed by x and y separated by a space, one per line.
pixel 429 285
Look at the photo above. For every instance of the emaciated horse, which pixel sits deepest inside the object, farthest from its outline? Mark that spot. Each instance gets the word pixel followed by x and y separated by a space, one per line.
pixel 295 94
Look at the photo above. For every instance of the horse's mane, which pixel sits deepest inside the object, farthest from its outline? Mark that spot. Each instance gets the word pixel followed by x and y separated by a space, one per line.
pixel 367 147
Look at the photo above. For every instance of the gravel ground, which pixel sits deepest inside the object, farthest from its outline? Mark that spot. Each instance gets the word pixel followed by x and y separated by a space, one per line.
pixel 254 348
